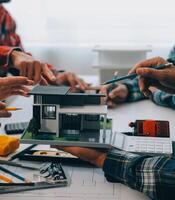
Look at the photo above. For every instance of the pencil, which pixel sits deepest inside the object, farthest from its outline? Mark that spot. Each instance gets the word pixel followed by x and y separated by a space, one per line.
pixel 5 179
pixel 13 174
pixel 12 109
pixel 113 85
pixel 132 76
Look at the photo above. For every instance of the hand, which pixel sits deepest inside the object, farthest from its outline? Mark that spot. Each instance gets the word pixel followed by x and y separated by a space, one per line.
pixel 33 69
pixel 162 79
pixel 118 94
pixel 14 86
pixel 153 89
pixel 70 79
pixel 91 155
pixel 4 113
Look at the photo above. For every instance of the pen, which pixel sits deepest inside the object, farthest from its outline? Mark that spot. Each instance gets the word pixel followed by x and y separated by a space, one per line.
pixel 132 76
pixel 12 109
pixel 113 85
pixel 13 174
pixel 5 179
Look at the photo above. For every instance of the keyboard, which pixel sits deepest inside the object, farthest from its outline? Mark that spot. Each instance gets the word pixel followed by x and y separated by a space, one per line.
pixel 15 128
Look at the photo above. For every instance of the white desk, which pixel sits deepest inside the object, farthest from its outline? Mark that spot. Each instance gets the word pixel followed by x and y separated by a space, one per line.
pixel 88 183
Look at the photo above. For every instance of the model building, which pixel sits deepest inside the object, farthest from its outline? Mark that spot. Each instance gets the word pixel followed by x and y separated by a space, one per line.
pixel 58 111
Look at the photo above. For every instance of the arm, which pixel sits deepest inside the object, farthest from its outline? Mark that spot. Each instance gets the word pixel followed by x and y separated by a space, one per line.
pixel 127 91
pixel 134 93
pixel 5 52
pixel 163 99
pixel 3 112
pixel 67 78
pixel 153 176
pixel 158 97
pixel 12 86
pixel 163 79
pixel 13 58
pixel 172 54
pixel 9 37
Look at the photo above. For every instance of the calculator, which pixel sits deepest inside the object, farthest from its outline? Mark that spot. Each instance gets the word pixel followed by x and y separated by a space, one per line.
pixel 15 128
pixel 142 144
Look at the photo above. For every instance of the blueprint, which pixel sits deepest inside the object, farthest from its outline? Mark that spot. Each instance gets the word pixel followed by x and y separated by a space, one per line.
pixel 85 183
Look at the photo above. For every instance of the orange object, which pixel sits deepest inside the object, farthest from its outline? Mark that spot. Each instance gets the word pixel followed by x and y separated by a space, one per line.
pixel 5 179
pixel 149 128
pixel 8 145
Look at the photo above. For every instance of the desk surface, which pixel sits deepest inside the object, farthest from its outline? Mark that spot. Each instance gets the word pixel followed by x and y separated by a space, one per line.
pixel 89 183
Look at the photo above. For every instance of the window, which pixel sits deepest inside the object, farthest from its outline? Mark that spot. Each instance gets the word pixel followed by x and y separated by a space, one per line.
pixel 49 112
pixel 92 117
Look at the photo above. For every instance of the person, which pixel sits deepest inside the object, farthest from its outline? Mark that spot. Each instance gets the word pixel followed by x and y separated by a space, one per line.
pixel 26 65
pixel 161 79
pixel 12 86
pixel 129 91
pixel 12 57
pixel 151 175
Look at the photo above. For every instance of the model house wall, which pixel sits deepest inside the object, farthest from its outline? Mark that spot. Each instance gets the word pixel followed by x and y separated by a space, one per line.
pixel 58 111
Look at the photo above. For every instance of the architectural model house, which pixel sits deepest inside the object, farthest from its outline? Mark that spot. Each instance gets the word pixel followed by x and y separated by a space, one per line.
pixel 63 118
pixel 58 111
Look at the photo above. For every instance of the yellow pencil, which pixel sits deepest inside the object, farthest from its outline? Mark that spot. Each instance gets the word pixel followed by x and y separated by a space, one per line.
pixel 5 179
pixel 12 109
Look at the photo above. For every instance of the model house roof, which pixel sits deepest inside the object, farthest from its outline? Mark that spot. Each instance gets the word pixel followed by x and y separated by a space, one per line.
pixel 63 96
pixel 50 90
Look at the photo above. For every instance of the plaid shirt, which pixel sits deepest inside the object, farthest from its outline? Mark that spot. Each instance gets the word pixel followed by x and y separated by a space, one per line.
pixel 134 90
pixel 153 176
pixel 159 97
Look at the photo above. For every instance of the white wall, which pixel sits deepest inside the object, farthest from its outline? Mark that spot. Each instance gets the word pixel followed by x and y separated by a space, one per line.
pixel 64 31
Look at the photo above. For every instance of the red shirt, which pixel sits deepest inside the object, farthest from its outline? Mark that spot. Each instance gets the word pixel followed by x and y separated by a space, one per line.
pixel 8 35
